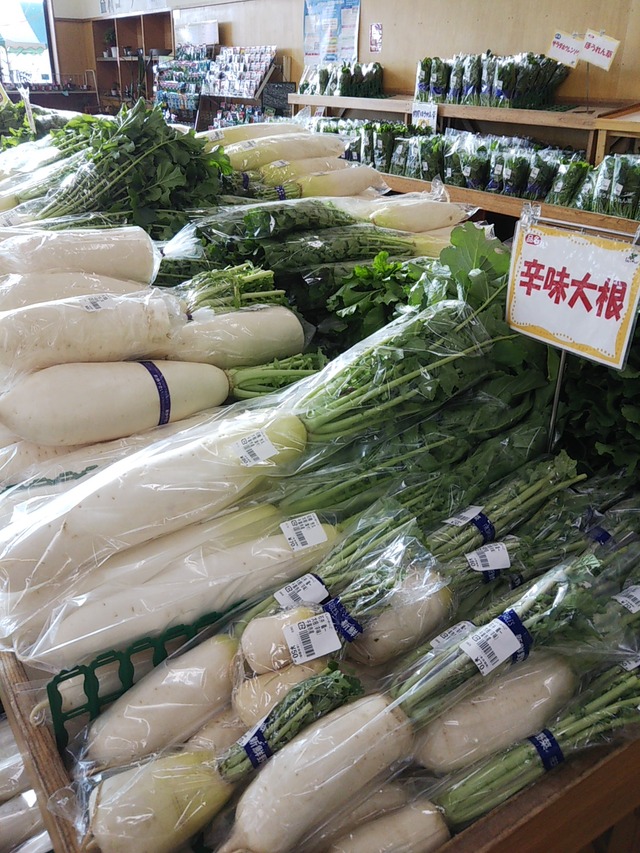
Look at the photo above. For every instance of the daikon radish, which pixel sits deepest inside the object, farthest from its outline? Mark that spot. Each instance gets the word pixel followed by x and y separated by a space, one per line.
pixel 13 776
pixel 281 171
pixel 254 697
pixel 364 805
pixel 501 712
pixel 344 182
pixel 254 153
pixel 218 733
pixel 89 403
pixel 20 818
pixel 125 253
pixel 194 475
pixel 263 645
pixel 18 290
pixel 415 610
pixel 417 828
pixel 248 336
pixel 242 132
pixel 132 567
pixel 418 215
pixel 96 328
pixel 167 706
pixel 316 772
pixel 188 590
pixel 157 806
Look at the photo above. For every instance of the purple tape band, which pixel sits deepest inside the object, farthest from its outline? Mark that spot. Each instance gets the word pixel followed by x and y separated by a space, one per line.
pixel 163 391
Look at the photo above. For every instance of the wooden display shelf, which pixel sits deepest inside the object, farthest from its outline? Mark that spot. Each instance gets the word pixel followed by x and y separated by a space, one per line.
pixel 561 813
pixel 511 206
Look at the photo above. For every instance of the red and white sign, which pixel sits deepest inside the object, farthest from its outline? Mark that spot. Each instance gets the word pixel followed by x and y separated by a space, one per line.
pixel 599 49
pixel 566 48
pixel 574 291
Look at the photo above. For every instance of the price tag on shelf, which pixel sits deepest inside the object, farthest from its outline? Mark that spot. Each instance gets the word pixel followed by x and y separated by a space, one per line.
pixel 424 114
pixel 599 49
pixel 565 48
pixel 579 292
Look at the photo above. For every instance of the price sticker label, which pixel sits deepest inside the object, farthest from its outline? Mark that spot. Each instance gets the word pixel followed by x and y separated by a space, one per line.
pixel 311 638
pixel 304 531
pixel 424 114
pixel 452 635
pixel 464 517
pixel 489 558
pixel 630 598
pixel 490 646
pixel 253 449
pixel 97 302
pixel 308 589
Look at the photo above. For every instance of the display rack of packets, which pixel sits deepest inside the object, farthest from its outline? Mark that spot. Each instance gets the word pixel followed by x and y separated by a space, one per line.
pixel 180 80
pixel 238 72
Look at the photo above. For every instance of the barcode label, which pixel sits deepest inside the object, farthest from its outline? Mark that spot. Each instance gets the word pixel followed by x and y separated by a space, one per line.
pixel 633 663
pixel 311 638
pixel 489 558
pixel 305 590
pixel 304 531
pixel 490 646
pixel 253 449
pixel 452 635
pixel 464 517
pixel 630 598
pixel 97 302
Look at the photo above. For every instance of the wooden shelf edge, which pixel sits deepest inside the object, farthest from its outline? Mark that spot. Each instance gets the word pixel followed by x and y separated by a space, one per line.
pixel 510 206
pixel 37 745
pixel 565 810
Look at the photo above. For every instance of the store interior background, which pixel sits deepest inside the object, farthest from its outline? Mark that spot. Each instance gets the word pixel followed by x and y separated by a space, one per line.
pixel 411 30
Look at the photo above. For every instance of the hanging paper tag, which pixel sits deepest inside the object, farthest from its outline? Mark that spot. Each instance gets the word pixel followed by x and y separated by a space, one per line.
pixel 548 749
pixel 304 531
pixel 308 589
pixel 491 645
pixel 452 635
pixel 343 621
pixel 253 449
pixel 630 598
pixel 311 638
pixel 464 517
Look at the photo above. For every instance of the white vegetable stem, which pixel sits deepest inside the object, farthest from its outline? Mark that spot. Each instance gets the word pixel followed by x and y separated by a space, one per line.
pixel 158 806
pixel 248 336
pixel 101 327
pixel 87 403
pixel 316 772
pixel 509 707
pixel 125 253
pixel 167 706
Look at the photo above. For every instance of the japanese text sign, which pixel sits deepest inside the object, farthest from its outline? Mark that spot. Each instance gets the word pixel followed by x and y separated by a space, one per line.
pixel 598 49
pixel 574 291
pixel 424 114
pixel 565 48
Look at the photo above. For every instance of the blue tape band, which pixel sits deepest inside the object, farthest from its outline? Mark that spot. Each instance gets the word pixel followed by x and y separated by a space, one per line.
pixel 599 535
pixel 487 530
pixel 511 619
pixel 163 391
pixel 548 749
pixel 257 748
pixel 342 620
